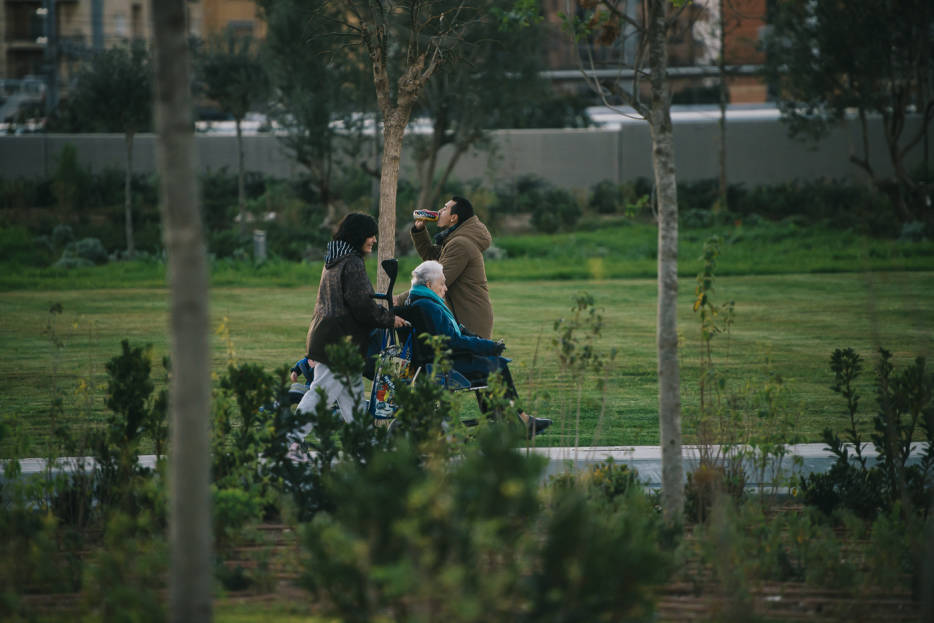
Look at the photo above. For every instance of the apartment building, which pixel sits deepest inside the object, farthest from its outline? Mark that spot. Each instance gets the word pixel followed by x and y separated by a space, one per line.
pixel 38 33
pixel 41 35
pixel 239 16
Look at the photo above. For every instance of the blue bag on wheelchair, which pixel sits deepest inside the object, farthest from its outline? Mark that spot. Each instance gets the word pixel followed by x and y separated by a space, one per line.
pixel 390 364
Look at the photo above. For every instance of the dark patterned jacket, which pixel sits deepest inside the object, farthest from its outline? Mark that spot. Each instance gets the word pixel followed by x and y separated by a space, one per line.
pixel 344 306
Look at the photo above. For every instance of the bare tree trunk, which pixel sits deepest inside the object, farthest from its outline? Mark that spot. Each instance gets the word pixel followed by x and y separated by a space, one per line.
pixel 393 132
pixel 190 539
pixel 395 119
pixel 127 197
pixel 723 101
pixel 241 192
pixel 669 374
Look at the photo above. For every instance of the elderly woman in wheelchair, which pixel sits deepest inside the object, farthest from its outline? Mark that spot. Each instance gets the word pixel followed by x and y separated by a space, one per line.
pixel 473 357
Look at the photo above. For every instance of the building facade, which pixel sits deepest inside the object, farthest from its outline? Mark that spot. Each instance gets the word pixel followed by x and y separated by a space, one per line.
pixel 693 50
pixel 43 42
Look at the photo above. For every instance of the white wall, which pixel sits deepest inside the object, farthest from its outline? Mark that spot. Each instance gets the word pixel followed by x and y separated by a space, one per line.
pixel 758 152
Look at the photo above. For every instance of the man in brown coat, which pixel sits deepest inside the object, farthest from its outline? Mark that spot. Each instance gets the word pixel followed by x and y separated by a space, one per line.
pixel 459 246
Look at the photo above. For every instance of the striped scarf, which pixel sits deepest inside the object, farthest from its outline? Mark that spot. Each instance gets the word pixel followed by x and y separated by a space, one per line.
pixel 337 249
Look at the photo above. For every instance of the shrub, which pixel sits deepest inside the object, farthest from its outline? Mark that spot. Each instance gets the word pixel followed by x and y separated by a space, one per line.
pixel 606 197
pixel 125 578
pixel 522 195
pixel 84 252
pixel 904 402
pixel 135 413
pixel 558 209
pixel 469 540
pixel 90 249
pixel 219 195
pixel 70 181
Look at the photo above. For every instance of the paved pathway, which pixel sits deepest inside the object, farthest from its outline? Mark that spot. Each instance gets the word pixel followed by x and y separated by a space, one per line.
pixel 800 459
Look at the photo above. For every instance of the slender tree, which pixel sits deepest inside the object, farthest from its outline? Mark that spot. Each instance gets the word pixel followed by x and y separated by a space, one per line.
pixel 320 92
pixel 191 572
pixel 230 69
pixel 609 23
pixel 493 81
pixel 113 93
pixel 406 43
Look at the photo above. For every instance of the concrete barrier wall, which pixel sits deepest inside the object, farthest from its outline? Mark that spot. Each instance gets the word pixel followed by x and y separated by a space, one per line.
pixel 758 152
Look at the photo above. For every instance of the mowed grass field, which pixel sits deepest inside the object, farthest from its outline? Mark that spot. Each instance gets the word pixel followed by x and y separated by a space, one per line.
pixel 786 327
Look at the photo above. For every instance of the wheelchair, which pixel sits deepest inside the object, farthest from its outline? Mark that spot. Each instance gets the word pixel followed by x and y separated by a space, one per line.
pixel 401 356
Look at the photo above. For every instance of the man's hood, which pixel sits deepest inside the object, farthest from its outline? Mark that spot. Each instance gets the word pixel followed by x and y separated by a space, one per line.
pixel 475 231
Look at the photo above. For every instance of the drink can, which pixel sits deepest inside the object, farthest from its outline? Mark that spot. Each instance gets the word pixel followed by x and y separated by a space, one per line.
pixel 425 215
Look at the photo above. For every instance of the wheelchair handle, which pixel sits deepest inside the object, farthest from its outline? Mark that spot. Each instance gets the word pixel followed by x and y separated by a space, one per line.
pixel 391 267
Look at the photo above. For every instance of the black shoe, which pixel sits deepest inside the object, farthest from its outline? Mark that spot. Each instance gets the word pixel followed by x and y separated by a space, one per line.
pixel 537 425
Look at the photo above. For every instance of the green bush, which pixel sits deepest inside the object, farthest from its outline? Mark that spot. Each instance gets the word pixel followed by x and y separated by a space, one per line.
pixel 475 532
pixel 442 513
pixel 70 181
pixel 107 186
pixel 838 204
pixel 219 195
pixel 905 402
pixel 556 210
pixel 520 196
pixel 606 197
pixel 125 579
pixel 84 252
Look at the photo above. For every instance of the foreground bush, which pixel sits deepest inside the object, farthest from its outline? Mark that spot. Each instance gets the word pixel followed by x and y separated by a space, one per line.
pixel 478 539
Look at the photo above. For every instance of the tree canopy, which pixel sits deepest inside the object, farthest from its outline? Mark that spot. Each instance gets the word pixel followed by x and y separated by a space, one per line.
pixel 233 75
pixel 493 81
pixel 316 84
pixel 113 92
pixel 825 58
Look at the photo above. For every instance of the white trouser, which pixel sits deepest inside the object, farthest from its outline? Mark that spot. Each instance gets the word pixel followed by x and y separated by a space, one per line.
pixel 345 397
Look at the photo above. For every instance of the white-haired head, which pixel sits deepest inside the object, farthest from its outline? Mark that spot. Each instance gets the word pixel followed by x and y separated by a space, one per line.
pixel 427 272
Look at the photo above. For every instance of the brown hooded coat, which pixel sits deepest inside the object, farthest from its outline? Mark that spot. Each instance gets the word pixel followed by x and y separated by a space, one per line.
pixel 461 255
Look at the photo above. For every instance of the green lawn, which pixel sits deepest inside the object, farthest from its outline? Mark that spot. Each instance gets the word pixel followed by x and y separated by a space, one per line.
pixel 793 320
pixel 614 251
